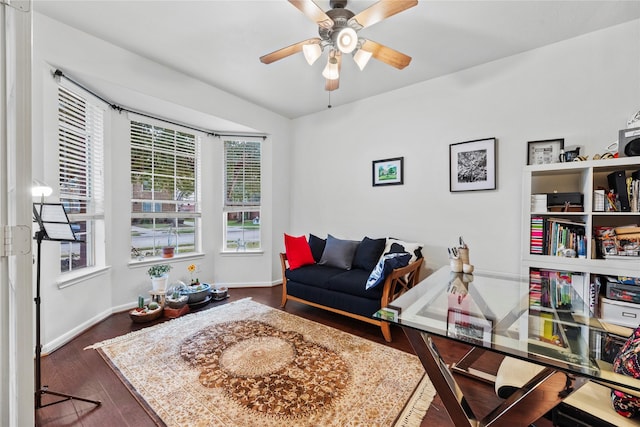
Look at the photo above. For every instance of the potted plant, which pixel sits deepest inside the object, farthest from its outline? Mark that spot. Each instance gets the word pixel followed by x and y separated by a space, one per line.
pixel 167 251
pixel 159 274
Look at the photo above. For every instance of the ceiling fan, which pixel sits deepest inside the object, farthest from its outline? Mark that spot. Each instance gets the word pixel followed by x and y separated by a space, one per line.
pixel 338 28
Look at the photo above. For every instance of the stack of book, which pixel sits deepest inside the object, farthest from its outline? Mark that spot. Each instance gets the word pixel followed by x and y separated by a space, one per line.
pixel 538 203
pixel 537 235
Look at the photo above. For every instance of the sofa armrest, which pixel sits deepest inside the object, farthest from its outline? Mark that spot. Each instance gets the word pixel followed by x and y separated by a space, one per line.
pixel 284 265
pixel 399 281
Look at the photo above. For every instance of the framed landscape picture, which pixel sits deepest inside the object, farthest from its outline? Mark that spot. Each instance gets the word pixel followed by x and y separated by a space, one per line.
pixel 388 171
pixel 472 165
pixel 544 152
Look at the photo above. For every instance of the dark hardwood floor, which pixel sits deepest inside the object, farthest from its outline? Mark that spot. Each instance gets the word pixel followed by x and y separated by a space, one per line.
pixel 83 373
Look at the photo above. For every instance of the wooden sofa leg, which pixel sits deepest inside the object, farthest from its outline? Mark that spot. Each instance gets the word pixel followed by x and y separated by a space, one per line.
pixel 386 331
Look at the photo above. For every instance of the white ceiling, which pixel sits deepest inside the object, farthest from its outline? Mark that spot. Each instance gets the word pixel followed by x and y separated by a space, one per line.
pixel 219 42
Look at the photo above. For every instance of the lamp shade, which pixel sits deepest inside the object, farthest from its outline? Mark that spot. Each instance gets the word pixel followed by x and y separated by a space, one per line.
pixel 347 40
pixel 331 71
pixel 311 52
pixel 362 57
pixel 40 189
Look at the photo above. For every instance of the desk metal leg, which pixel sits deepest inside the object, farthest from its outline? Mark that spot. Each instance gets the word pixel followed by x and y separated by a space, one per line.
pixel 525 406
pixel 531 402
pixel 464 366
pixel 444 383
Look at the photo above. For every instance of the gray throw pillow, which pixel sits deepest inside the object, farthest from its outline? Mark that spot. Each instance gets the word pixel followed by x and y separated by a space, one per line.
pixel 339 253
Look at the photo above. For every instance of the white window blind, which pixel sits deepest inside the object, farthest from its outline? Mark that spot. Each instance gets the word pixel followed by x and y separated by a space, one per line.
pixel 80 176
pixel 165 205
pixel 242 183
pixel 242 199
pixel 81 157
pixel 163 169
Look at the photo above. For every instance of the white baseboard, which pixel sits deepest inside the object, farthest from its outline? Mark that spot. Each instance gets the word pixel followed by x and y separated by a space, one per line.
pixel 65 338
pixel 73 333
pixel 250 284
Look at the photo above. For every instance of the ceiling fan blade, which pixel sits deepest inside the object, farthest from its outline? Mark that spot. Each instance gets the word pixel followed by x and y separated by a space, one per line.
pixel 313 12
pixel 286 51
pixel 386 54
pixel 331 85
pixel 381 10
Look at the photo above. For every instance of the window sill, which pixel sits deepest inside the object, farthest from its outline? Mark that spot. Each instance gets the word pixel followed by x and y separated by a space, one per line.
pixel 241 253
pixel 159 260
pixel 74 278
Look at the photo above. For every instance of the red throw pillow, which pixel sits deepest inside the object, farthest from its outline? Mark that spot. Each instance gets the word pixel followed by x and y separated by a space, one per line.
pixel 298 251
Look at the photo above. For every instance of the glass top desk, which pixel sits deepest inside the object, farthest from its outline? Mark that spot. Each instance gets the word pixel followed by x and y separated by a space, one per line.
pixel 498 314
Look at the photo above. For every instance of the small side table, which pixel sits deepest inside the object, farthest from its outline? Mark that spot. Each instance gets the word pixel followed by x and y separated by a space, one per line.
pixel 158 296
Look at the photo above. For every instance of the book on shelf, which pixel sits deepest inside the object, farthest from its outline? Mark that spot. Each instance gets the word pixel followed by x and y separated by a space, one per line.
pixel 558 290
pixel 633 190
pixel 557 237
pixel 624 193
pixel 545 329
pixel 594 292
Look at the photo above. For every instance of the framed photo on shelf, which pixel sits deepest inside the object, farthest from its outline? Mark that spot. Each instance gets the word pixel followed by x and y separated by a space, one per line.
pixel 544 152
pixel 472 165
pixel 466 327
pixel 388 171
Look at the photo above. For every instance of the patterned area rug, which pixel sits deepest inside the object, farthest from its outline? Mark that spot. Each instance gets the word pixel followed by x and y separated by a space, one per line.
pixel 247 364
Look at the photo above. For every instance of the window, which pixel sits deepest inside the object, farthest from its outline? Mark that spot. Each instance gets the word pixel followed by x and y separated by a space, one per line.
pixel 242 161
pixel 165 208
pixel 81 163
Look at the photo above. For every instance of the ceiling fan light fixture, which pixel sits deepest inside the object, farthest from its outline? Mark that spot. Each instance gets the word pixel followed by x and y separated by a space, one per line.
pixel 331 71
pixel 361 58
pixel 311 52
pixel 347 40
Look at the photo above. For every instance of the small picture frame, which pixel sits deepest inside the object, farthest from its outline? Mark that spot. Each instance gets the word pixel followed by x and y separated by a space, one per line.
pixel 388 314
pixel 388 171
pixel 544 152
pixel 466 327
pixel 472 165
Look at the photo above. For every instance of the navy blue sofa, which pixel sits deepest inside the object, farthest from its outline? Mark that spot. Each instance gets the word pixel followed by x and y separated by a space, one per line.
pixel 344 291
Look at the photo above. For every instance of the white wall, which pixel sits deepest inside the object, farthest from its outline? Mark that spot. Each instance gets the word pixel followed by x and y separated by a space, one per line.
pixel 583 90
pixel 70 310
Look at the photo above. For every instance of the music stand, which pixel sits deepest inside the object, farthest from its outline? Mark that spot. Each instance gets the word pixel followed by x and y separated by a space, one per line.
pixel 53 225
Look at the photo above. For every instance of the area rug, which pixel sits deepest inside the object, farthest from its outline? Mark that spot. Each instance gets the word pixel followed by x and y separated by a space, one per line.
pixel 247 364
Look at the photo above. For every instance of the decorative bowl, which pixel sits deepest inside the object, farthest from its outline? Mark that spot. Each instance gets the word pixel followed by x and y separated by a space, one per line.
pixel 196 293
pixel 178 302
pixel 143 315
pixel 219 293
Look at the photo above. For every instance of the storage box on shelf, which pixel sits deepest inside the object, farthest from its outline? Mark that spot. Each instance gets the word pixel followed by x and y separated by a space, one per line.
pixel 565 205
pixel 620 312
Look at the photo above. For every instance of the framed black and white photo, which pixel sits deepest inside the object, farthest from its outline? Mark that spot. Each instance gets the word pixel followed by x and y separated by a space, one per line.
pixel 544 152
pixel 472 165
pixel 388 171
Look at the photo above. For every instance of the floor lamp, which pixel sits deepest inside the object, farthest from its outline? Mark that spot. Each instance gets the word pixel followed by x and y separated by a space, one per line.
pixel 53 225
